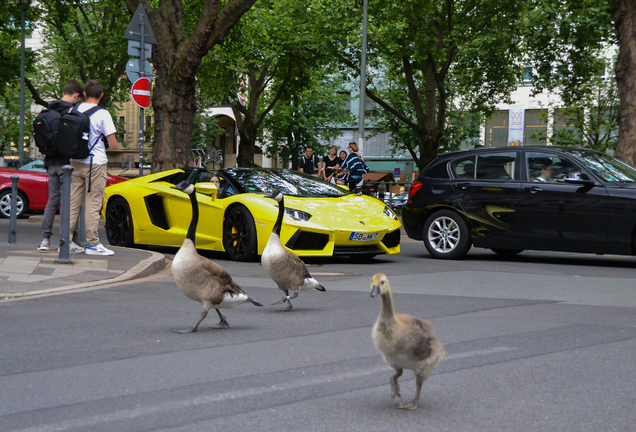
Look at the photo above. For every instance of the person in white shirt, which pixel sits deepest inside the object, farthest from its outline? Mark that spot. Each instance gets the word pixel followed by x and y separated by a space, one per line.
pixel 92 170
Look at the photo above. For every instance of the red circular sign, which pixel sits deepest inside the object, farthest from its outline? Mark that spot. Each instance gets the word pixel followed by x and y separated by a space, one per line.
pixel 141 92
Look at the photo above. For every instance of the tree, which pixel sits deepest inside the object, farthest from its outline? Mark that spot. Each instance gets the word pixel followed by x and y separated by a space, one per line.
pixel 564 40
pixel 423 53
pixel 185 33
pixel 310 113
pixel 10 35
pixel 272 49
pixel 590 122
pixel 84 41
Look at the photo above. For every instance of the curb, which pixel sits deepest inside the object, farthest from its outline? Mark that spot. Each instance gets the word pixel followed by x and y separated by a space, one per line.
pixel 149 266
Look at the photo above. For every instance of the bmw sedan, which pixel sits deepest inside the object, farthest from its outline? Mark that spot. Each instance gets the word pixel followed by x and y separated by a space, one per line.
pixel 523 198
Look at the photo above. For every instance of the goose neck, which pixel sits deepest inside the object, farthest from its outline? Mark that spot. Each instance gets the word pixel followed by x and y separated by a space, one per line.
pixel 279 219
pixel 387 311
pixel 192 230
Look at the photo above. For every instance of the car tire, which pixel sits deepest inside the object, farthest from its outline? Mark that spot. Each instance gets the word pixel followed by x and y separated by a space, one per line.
pixel 5 204
pixel 446 235
pixel 507 252
pixel 239 234
pixel 119 223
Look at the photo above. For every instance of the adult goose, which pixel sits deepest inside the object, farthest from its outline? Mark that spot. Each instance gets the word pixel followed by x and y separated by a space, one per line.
pixel 405 342
pixel 286 269
pixel 199 278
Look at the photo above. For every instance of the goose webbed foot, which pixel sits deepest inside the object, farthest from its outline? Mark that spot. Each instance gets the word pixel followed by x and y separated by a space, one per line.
pixel 283 300
pixel 196 326
pixel 223 324
pixel 407 406
pixel 288 308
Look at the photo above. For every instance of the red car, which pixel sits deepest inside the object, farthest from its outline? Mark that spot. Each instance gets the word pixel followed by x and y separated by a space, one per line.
pixel 33 188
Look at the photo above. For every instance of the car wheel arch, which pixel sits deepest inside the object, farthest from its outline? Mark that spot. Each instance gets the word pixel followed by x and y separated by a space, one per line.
pixel 425 215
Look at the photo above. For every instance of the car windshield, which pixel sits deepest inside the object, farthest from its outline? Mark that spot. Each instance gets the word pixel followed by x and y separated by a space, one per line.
pixel 291 183
pixel 606 167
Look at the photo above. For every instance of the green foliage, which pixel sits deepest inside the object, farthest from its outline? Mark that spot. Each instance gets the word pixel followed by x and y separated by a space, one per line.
pixel 591 122
pixel 204 131
pixel 84 41
pixel 564 41
pixel 309 114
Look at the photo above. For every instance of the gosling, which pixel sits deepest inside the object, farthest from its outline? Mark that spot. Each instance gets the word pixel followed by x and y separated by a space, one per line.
pixel 405 342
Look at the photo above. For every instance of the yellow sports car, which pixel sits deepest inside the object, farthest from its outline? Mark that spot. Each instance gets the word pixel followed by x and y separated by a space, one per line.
pixel 321 219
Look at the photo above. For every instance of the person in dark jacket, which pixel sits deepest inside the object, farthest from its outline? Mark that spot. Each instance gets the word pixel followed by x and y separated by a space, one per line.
pixel 72 94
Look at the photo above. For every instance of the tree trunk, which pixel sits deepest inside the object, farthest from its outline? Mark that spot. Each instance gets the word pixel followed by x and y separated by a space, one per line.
pixel 625 26
pixel 247 146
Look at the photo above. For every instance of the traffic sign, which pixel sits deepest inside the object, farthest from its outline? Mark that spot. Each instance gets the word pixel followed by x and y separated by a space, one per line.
pixel 133 49
pixel 141 92
pixel 133 33
pixel 396 174
pixel 132 70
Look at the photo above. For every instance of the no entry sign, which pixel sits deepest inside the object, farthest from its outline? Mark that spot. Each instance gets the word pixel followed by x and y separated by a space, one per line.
pixel 141 92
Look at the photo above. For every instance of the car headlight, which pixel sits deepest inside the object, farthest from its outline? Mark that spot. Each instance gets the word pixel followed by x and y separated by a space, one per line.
pixel 389 213
pixel 298 215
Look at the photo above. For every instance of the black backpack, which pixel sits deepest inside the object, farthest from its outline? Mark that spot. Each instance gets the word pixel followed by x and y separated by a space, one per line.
pixel 74 132
pixel 45 132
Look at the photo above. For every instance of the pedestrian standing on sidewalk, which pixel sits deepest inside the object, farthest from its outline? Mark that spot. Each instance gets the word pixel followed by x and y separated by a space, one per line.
pixel 92 170
pixel 73 92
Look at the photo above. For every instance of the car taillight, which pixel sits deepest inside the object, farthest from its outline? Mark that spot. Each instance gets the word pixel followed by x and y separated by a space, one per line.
pixel 417 185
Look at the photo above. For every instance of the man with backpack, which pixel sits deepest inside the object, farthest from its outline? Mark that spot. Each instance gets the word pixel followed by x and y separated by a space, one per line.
pixel 53 161
pixel 89 173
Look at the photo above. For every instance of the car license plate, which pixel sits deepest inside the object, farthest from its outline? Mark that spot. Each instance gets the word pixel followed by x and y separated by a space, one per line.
pixel 363 237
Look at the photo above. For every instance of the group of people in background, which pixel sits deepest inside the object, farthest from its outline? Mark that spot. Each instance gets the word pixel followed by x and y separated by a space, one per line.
pixel 337 168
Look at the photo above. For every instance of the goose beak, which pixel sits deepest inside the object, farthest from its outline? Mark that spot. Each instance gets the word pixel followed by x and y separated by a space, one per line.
pixel 375 290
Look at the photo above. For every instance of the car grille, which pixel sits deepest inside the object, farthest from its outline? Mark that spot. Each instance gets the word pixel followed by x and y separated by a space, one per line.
pixel 352 250
pixel 392 239
pixel 304 240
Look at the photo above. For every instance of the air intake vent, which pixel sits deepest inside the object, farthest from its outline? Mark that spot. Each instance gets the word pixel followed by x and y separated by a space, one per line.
pixel 391 239
pixel 154 206
pixel 303 240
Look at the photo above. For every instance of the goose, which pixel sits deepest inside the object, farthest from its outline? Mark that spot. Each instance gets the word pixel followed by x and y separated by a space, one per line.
pixel 286 269
pixel 201 279
pixel 405 342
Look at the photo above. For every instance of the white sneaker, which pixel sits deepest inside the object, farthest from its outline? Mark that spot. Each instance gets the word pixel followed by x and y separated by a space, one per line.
pixel 98 250
pixel 44 246
pixel 75 248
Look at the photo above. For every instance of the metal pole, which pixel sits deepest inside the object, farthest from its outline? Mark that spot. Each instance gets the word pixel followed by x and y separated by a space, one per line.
pixel 14 209
pixel 65 215
pixel 22 67
pixel 142 62
pixel 363 76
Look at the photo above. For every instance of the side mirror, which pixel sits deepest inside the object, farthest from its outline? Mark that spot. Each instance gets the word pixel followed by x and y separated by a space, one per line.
pixel 579 178
pixel 207 188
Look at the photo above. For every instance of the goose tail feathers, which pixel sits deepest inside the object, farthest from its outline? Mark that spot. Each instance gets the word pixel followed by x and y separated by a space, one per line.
pixel 254 302
pixel 311 283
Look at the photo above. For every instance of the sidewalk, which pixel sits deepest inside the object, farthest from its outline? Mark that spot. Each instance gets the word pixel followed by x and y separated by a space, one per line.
pixel 24 271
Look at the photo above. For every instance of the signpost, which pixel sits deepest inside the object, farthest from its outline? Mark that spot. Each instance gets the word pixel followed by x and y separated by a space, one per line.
pixel 396 174
pixel 140 35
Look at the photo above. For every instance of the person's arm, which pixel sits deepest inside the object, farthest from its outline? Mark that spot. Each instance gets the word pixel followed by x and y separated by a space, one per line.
pixel 301 164
pixel 112 141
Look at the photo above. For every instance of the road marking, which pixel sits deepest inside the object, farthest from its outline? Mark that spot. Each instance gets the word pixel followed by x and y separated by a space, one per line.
pixel 124 414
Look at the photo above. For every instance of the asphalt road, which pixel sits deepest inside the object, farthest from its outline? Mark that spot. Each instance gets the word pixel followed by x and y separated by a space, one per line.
pixel 543 342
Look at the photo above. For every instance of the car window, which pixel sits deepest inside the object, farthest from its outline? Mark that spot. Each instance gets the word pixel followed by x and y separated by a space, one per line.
pixel 288 182
pixel 548 167
pixel 496 166
pixel 464 168
pixel 437 172
pixel 606 167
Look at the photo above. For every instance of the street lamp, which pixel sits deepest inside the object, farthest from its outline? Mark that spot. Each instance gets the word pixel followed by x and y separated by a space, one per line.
pixel 23 5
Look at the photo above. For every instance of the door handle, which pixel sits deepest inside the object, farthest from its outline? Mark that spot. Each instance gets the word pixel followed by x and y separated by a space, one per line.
pixel 533 189
pixel 463 186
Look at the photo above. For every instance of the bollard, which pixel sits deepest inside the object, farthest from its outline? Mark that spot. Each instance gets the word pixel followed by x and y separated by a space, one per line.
pixel 65 215
pixel 14 209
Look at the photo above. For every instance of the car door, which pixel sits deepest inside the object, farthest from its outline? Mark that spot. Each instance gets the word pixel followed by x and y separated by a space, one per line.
pixel 558 215
pixel 488 189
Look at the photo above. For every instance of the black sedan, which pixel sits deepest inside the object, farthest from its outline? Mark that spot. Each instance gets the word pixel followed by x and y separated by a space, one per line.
pixel 512 199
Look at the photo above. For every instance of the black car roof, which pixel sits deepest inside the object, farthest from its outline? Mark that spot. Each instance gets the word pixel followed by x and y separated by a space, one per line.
pixel 482 150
